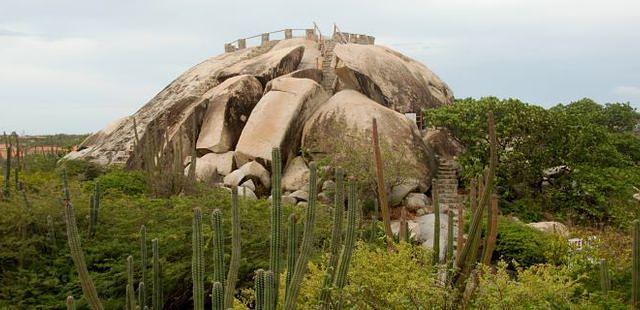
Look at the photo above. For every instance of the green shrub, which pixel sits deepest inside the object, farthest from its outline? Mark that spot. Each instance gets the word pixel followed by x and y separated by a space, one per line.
pixel 527 246
pixel 82 169
pixel 379 279
pixel 126 182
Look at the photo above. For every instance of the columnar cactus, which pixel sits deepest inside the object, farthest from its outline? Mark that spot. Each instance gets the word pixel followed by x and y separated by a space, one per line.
pixel 197 261
pixel 635 272
pixel 269 290
pixel 336 236
pixel 276 219
pixel 307 241
pixel 218 247
pixel 217 294
pixel 143 255
pixel 382 192
pixel 349 243
pixel 234 264
pixel 156 298
pixel 259 289
pixel 95 206
pixel 449 252
pixel 75 248
pixel 131 300
pixel 468 257
pixel 605 280
pixel 436 224
pixel 292 248
pixel 71 303
pixel 492 231
pixel 7 167
pixel 141 296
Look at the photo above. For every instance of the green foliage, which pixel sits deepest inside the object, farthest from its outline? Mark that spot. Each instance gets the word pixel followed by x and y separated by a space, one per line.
pixel 594 141
pixel 527 246
pixel 123 182
pixel 48 274
pixel 379 279
pixel 537 287
pixel 81 169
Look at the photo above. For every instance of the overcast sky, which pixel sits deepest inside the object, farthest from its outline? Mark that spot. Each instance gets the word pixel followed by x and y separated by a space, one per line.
pixel 74 66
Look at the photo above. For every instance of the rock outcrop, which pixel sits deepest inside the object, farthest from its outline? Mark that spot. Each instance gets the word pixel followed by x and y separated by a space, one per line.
pixel 232 109
pixel 443 143
pixel 351 109
pixel 227 112
pixel 278 120
pixel 390 78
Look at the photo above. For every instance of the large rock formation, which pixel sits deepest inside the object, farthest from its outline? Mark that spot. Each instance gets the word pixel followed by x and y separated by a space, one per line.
pixel 278 119
pixel 235 107
pixel 351 110
pixel 390 78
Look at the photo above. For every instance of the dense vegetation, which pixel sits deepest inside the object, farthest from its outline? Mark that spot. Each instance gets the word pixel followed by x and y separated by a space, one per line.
pixel 599 146
pixel 528 269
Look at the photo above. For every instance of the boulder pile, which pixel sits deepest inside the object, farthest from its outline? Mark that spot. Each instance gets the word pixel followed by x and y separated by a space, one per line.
pixel 235 107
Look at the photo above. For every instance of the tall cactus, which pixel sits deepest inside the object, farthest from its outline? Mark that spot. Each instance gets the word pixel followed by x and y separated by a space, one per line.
pixel 197 260
pixel 71 303
pixel 218 247
pixel 95 206
pixel 234 264
pixel 269 290
pixel 307 242
pixel 382 189
pixel 349 243
pixel 635 272
pixel 143 260
pixel 131 300
pixel 449 252
pixel 336 237
pixel 217 294
pixel 467 257
pixel 156 298
pixel 492 231
pixel 292 248
pixel 73 238
pixel 141 296
pixel 436 224
pixel 259 289
pixel 276 219
pixel 7 167
pixel 605 280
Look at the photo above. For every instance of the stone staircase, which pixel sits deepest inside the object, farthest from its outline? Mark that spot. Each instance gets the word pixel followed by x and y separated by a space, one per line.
pixel 448 184
pixel 328 72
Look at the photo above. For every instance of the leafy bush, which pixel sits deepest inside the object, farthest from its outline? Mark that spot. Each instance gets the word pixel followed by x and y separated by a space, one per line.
pixel 379 279
pixel 596 142
pixel 527 246
pixel 126 182
pixel 82 169
pixel 537 287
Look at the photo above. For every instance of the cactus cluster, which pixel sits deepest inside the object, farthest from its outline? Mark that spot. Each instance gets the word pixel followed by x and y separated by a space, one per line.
pixel 382 192
pixel 481 191
pixel 197 261
pixel 336 237
pixel 276 221
pixel 75 247
pixel 349 243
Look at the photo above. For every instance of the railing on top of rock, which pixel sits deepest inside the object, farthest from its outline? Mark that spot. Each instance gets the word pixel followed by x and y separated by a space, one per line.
pixel 309 33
